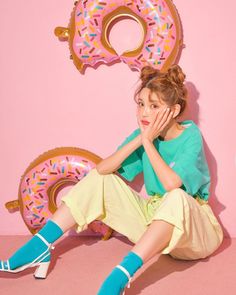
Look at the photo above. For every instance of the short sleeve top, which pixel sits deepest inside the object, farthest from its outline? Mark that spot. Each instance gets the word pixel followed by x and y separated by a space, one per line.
pixel 184 154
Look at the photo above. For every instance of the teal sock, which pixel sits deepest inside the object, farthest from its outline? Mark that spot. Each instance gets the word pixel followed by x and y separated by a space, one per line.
pixel 35 246
pixel 117 280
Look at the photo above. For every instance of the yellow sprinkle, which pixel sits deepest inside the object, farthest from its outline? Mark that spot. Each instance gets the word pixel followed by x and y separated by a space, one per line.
pixel 164 13
pixel 163 27
pixel 166 47
pixel 92 29
pixel 95 43
pixel 145 11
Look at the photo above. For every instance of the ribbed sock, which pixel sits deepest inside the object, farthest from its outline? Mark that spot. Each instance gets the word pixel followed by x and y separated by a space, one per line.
pixel 117 280
pixel 35 246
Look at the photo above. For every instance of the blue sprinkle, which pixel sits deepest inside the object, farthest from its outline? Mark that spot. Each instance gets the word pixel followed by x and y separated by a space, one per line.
pixel 86 43
pixel 35 215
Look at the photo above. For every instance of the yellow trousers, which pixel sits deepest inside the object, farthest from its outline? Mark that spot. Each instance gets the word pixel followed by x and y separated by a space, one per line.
pixel 196 233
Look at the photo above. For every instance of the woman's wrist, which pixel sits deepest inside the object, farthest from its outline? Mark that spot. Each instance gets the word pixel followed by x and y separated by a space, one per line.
pixel 139 140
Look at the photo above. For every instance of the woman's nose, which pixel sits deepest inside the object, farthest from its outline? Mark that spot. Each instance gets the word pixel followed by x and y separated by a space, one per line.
pixel 146 111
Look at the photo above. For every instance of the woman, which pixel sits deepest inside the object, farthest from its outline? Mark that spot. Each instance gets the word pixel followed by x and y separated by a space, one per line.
pixel 176 219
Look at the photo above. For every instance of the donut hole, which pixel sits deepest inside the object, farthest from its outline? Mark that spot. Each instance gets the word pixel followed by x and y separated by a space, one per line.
pixel 124 34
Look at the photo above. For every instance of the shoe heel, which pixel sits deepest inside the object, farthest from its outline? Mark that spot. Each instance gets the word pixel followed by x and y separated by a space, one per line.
pixel 41 270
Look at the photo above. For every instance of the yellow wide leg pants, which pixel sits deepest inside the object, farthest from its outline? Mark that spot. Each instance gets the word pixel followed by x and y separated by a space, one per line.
pixel 196 234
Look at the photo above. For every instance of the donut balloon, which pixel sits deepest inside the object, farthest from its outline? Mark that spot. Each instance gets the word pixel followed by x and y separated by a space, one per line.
pixel 91 21
pixel 45 177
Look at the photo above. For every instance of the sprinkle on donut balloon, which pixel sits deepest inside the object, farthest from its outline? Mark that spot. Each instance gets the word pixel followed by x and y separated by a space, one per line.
pixel 91 21
pixel 45 177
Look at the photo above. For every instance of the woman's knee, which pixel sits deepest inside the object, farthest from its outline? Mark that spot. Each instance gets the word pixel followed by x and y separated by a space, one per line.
pixel 94 171
pixel 177 194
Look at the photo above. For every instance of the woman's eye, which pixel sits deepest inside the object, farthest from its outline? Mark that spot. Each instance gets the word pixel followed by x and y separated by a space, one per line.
pixel 141 104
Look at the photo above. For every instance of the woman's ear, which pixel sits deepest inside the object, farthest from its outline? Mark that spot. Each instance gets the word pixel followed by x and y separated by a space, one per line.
pixel 177 109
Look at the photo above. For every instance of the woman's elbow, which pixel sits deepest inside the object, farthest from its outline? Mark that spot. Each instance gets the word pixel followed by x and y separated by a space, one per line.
pixel 174 185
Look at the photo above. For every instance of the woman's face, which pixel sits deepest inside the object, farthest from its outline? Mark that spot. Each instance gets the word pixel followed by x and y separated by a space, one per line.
pixel 147 107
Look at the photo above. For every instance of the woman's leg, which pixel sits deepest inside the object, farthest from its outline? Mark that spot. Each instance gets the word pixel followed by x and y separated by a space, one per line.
pixel 154 240
pixel 63 218
pixel 37 248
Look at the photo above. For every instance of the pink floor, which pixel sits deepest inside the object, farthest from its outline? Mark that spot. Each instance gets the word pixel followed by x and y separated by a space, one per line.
pixel 80 264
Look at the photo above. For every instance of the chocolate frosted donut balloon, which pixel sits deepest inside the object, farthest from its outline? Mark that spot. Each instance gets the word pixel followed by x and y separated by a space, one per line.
pixel 91 21
pixel 45 177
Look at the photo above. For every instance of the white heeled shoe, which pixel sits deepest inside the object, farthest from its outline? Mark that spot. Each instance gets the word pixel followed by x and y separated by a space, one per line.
pixel 128 275
pixel 40 261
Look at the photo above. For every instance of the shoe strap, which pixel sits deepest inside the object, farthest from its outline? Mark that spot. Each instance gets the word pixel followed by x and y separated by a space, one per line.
pixel 45 241
pixel 126 272
pixel 3 265
pixel 39 258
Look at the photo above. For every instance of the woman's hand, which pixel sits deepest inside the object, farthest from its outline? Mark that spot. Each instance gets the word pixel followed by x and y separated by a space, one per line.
pixel 154 128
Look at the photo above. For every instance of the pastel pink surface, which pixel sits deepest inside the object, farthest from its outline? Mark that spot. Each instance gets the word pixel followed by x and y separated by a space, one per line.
pixel 47 103
pixel 80 265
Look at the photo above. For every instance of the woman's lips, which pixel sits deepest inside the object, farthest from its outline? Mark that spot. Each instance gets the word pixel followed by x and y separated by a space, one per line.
pixel 145 122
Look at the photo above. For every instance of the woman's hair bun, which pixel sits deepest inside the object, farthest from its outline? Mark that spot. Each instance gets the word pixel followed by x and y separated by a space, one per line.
pixel 147 73
pixel 176 75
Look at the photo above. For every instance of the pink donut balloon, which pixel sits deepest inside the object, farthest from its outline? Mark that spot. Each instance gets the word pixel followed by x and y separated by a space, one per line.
pixel 90 23
pixel 45 177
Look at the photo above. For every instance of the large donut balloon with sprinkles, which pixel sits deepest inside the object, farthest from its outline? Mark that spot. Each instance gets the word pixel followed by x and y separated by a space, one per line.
pixel 91 21
pixel 43 180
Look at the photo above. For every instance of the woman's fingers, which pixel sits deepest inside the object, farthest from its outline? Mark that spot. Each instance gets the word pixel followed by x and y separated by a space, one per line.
pixel 167 116
pixel 159 118
pixel 164 119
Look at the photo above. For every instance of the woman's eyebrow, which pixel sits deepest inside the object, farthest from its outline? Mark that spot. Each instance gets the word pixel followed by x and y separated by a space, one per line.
pixel 151 100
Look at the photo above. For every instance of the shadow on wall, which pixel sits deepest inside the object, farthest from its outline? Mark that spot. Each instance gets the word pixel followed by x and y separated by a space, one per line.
pixel 192 112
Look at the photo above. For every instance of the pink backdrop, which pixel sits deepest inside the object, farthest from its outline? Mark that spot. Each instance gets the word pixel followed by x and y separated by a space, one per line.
pixel 47 103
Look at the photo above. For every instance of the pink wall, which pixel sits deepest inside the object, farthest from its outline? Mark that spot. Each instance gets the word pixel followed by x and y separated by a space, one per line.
pixel 47 103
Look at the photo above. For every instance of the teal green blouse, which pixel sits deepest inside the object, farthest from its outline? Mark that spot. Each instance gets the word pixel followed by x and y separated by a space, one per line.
pixel 184 154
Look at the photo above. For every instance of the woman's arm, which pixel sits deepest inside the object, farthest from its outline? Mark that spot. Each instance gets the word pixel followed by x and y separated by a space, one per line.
pixel 167 176
pixel 113 162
